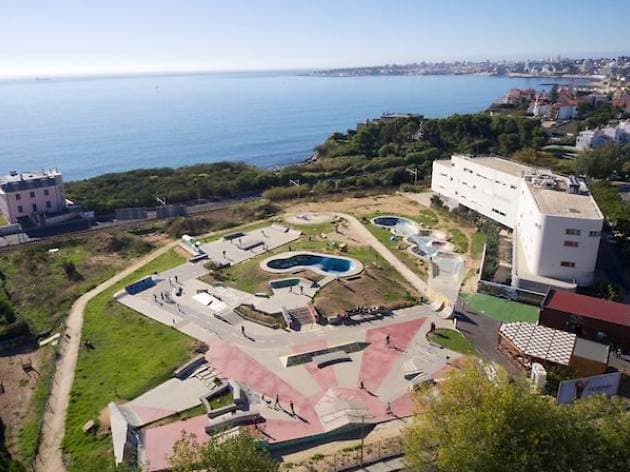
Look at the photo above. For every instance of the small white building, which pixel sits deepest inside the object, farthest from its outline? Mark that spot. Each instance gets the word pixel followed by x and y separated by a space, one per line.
pixel 31 195
pixel 555 221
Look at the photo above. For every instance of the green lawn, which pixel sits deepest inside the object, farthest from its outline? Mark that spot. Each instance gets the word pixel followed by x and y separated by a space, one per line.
pixel 222 400
pixel 131 354
pixel 427 218
pixel 459 240
pixel 501 309
pixel 477 241
pixel 451 339
pixel 3 220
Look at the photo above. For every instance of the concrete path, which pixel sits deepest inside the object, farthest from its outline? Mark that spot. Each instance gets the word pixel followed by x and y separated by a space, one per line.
pixel 49 456
pixel 359 230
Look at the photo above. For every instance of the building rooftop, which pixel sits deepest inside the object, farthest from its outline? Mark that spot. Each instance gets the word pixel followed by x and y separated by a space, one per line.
pixel 589 307
pixel 591 350
pixel 16 181
pixel 502 165
pixel 562 203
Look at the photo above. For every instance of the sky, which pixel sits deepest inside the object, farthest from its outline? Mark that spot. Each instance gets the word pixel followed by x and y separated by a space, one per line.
pixel 51 37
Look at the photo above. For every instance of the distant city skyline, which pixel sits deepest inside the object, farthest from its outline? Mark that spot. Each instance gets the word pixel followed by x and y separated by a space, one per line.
pixel 70 37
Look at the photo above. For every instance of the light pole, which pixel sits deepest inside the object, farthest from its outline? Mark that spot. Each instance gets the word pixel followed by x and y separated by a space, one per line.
pixel 414 172
pixel 297 184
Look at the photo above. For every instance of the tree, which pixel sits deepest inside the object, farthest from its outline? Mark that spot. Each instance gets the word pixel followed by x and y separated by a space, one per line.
pixel 474 424
pixel 602 162
pixel 238 453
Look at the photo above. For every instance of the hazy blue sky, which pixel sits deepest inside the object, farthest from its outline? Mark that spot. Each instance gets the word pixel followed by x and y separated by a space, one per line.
pixel 95 36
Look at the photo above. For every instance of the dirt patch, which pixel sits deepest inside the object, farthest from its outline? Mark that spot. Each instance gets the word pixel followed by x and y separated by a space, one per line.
pixel 361 206
pixel 19 387
pixel 372 288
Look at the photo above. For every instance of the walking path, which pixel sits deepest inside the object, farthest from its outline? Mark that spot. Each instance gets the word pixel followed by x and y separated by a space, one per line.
pixel 366 236
pixel 49 456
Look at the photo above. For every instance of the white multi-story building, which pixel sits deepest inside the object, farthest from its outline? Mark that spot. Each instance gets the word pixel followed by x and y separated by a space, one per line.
pixel 555 221
pixel 31 195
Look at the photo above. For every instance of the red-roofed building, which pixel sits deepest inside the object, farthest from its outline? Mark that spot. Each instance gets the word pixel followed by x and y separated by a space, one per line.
pixel 588 317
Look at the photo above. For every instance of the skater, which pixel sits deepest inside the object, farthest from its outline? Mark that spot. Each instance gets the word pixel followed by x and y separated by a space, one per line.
pixel 155 297
pixel 389 408
pixel 432 327
pixel 361 385
pixel 176 281
pixel 387 340
pixel 243 330
pixel 277 402
pixel 292 408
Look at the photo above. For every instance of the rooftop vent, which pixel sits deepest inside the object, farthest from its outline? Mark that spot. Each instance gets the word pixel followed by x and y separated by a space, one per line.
pixel 13 173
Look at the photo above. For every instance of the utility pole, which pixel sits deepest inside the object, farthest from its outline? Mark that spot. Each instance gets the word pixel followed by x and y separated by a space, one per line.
pixel 297 184
pixel 414 172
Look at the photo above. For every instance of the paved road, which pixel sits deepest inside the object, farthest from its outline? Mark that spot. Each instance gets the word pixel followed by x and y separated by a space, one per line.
pixel 49 457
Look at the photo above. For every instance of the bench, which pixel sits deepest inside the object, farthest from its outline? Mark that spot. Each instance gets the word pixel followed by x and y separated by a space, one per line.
pixel 330 358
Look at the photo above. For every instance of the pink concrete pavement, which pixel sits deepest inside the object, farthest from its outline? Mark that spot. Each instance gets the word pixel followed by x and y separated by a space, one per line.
pixel 378 358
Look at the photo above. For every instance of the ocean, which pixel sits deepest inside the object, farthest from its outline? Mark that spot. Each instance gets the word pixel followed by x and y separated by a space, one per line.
pixel 92 126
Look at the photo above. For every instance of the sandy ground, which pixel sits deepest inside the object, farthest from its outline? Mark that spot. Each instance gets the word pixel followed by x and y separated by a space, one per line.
pixel 361 206
pixel 19 387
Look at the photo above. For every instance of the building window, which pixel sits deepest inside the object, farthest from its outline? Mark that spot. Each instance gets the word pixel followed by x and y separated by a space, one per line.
pixel 32 194
pixel 18 196
pixel 20 209
pixel 46 192
pixel 34 207
pixel 572 232
pixel 48 205
pixel 594 234
pixel 571 244
pixel 567 264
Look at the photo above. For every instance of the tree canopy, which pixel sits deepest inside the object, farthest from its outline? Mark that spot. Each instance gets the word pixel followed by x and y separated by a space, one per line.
pixel 376 154
pixel 238 453
pixel 473 424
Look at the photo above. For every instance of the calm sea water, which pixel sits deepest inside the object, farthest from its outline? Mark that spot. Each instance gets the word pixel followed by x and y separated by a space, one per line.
pixel 93 126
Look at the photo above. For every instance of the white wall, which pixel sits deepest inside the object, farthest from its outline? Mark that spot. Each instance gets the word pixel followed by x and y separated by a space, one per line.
pixel 541 236
pixel 486 190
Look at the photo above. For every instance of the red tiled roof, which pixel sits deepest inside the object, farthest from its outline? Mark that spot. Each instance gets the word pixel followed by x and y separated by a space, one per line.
pixel 589 307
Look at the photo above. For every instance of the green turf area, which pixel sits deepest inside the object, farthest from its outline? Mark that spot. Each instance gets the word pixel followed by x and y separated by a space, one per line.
pixel 501 309
pixel 477 242
pixel 459 240
pixel 427 218
pixel 315 229
pixel 131 354
pixel 451 339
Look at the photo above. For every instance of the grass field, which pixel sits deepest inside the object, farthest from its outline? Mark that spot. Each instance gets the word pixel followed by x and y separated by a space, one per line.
pixel 459 240
pixel 476 246
pixel 427 218
pixel 131 354
pixel 451 339
pixel 501 309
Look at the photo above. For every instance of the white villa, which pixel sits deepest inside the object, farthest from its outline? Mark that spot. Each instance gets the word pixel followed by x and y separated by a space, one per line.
pixel 593 138
pixel 555 221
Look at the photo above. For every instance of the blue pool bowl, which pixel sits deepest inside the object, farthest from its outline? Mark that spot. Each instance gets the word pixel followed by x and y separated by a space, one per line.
pixel 333 265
